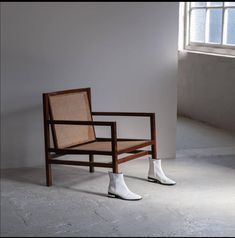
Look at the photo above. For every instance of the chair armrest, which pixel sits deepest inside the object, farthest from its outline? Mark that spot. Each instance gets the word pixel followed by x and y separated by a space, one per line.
pixel 112 124
pixel 151 115
pixel 135 114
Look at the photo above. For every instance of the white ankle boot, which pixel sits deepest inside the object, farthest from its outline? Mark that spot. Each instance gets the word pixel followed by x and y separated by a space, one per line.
pixel 118 188
pixel 156 173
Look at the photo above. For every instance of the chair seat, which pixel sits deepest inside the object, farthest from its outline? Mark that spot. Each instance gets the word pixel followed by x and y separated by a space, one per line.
pixel 122 146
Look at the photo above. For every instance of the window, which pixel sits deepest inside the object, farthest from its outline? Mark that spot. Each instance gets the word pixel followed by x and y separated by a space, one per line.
pixel 208 27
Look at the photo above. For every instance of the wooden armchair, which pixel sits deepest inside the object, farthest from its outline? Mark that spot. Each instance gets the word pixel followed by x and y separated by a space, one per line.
pixel 68 123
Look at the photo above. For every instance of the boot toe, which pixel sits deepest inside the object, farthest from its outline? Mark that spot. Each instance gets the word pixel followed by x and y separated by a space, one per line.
pixel 169 181
pixel 164 181
pixel 130 196
pixel 136 197
pixel 133 197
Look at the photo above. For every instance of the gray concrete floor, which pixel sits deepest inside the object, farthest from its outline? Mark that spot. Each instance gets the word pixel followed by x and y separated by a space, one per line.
pixel 202 203
pixel 192 135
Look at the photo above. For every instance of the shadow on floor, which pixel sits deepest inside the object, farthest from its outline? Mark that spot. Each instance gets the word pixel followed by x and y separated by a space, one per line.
pixel 60 176
pixel 65 177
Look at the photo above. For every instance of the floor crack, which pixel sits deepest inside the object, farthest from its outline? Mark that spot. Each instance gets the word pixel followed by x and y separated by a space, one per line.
pixel 97 213
pixel 17 213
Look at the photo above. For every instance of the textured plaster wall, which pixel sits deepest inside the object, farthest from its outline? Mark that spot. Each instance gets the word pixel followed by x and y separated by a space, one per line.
pixel 126 53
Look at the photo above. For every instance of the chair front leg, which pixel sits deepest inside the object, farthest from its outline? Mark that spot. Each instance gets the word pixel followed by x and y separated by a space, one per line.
pixel 115 164
pixel 114 147
pixel 154 151
pixel 91 159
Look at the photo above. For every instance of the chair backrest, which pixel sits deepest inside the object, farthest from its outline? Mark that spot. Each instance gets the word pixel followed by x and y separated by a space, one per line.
pixel 71 105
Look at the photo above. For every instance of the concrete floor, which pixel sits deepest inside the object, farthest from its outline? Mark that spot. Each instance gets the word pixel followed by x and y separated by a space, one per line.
pixel 197 135
pixel 202 203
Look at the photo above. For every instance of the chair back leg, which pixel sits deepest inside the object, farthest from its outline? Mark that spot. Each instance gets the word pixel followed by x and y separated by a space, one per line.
pixel 153 136
pixel 48 174
pixel 47 139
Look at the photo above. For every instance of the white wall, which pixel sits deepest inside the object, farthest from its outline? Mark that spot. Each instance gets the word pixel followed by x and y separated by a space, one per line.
pixel 206 89
pixel 126 53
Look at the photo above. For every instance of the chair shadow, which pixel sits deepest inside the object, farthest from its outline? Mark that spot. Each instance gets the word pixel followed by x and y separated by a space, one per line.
pixel 24 175
pixel 134 177
pixel 85 191
pixel 20 177
pixel 36 176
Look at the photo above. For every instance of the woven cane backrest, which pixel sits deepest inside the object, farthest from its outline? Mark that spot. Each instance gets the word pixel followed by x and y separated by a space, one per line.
pixel 71 106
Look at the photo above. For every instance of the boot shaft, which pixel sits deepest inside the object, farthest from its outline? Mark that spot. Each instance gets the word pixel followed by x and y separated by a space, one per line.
pixel 154 166
pixel 118 187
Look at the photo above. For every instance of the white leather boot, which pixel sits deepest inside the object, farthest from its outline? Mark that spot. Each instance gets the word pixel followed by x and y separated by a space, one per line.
pixel 156 173
pixel 118 188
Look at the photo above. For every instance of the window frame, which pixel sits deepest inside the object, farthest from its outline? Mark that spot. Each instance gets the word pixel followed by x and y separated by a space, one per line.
pixel 220 49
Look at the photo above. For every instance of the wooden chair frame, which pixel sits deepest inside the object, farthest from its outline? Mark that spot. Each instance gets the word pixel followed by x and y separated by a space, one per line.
pixel 51 153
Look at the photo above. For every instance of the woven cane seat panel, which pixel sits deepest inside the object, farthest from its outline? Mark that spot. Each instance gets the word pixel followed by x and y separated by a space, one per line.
pixel 71 106
pixel 107 146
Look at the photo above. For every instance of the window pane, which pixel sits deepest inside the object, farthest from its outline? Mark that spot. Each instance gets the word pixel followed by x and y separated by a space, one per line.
pixel 229 4
pixel 197 26
pixel 198 4
pixel 230 26
pixel 215 4
pixel 214 26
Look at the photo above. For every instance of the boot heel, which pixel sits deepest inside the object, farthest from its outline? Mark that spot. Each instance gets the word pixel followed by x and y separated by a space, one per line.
pixel 112 195
pixel 153 180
